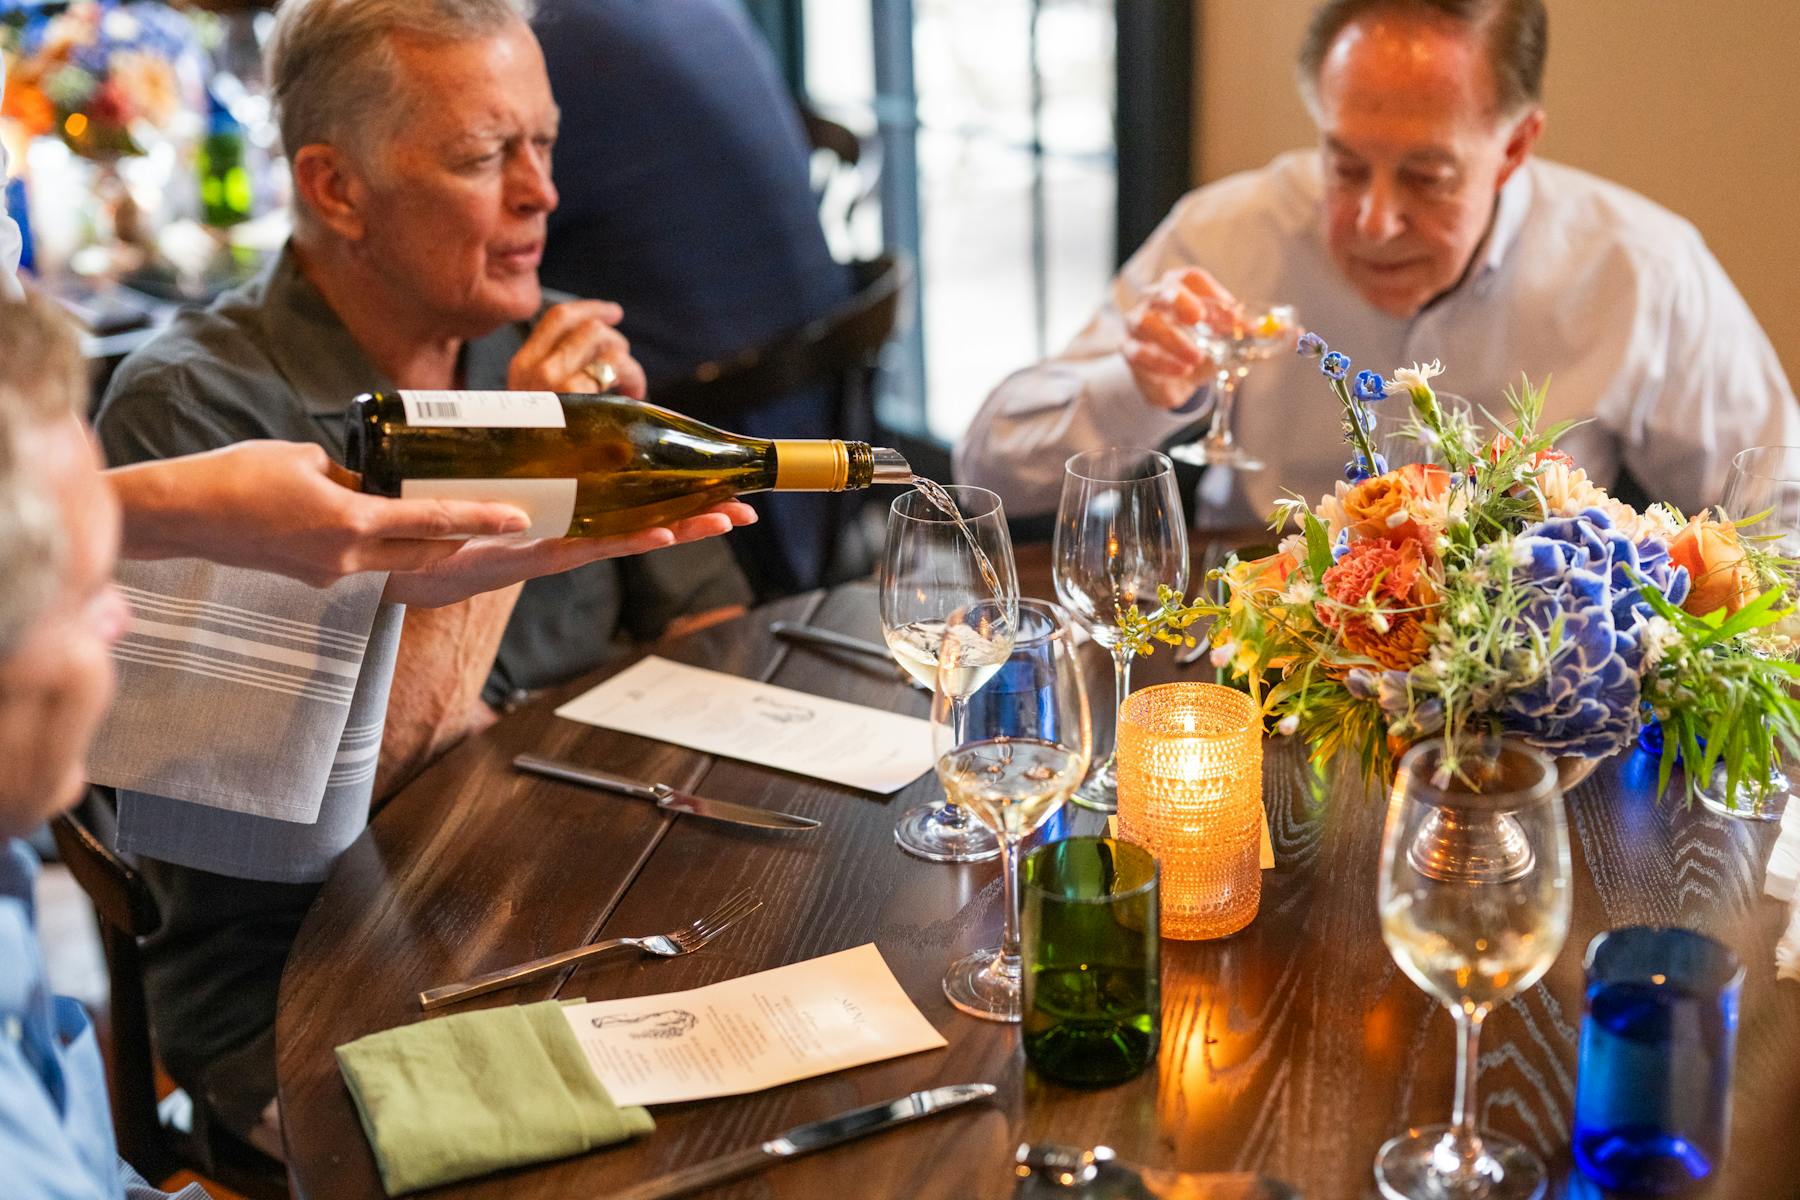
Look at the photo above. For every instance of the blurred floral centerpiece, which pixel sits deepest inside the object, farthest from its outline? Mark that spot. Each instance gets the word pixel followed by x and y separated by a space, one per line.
pixel 1501 591
pixel 98 74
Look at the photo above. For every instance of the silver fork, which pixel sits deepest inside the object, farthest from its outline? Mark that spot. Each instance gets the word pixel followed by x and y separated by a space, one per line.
pixel 673 944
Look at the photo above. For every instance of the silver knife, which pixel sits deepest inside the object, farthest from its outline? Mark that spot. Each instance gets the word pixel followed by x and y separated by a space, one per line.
pixel 794 631
pixel 831 639
pixel 804 1139
pixel 663 796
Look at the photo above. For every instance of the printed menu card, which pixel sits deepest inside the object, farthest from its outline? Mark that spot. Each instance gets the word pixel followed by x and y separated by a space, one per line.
pixel 751 1033
pixel 757 722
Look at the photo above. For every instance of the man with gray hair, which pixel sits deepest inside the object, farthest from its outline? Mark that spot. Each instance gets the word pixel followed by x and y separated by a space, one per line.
pixel 59 616
pixel 1419 229
pixel 418 134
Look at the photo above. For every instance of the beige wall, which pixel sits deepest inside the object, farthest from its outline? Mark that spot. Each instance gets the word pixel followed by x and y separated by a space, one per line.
pixel 1696 105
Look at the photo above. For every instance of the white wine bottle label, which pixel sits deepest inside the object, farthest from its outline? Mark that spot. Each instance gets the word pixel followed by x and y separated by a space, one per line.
pixel 484 410
pixel 549 502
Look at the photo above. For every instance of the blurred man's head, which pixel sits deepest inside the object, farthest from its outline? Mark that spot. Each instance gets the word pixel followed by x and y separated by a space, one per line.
pixel 59 534
pixel 419 132
pixel 1425 109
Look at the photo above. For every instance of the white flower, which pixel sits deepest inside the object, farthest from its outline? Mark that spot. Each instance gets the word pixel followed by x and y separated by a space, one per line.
pixel 1287 725
pixel 1656 637
pixel 1378 620
pixel 1223 653
pixel 1418 376
pixel 1299 591
pixel 1467 613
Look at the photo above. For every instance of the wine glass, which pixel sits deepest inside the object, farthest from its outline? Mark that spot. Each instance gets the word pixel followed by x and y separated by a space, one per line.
pixel 1259 331
pixel 1120 533
pixel 945 552
pixel 1009 756
pixel 1474 896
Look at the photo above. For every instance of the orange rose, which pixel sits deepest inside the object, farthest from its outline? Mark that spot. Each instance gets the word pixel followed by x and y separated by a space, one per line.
pixel 1396 582
pixel 1385 508
pixel 1719 574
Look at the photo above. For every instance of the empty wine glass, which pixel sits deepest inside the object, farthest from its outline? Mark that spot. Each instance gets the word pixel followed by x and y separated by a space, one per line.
pixel 1120 533
pixel 1259 331
pixel 1010 759
pixel 1474 896
pixel 938 561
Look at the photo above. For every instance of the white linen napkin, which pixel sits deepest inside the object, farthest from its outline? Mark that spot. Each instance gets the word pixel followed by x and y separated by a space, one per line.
pixel 1782 881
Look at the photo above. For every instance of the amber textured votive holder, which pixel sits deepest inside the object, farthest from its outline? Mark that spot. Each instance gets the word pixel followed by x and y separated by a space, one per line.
pixel 1190 792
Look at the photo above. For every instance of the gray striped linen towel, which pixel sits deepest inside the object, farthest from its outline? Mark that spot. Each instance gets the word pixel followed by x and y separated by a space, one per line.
pixel 248 722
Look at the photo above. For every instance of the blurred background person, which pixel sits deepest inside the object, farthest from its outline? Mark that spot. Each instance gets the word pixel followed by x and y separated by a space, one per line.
pixel 682 169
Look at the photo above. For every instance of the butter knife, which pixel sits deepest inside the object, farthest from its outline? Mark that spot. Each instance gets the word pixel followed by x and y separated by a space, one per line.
pixel 664 796
pixel 804 1139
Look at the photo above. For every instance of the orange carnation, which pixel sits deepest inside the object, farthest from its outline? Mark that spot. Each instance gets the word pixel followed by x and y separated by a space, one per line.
pixel 1379 598
pixel 1386 508
pixel 1719 574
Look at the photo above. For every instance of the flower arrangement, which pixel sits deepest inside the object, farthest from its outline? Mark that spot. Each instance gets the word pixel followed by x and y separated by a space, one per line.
pixel 96 74
pixel 1500 591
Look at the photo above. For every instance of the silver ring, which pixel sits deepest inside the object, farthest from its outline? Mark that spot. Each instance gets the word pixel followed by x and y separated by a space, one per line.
pixel 602 373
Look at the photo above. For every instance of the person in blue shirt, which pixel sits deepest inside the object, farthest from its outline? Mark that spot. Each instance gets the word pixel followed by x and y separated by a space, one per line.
pixel 59 616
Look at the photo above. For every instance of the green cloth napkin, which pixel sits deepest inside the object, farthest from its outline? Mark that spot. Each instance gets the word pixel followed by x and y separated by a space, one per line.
pixel 464 1095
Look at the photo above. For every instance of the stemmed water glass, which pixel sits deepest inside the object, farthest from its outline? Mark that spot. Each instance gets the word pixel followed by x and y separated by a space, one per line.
pixel 938 562
pixel 1474 896
pixel 1120 533
pixel 1258 331
pixel 1009 755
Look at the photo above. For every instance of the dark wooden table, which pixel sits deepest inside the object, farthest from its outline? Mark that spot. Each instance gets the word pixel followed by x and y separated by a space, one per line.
pixel 1294 1048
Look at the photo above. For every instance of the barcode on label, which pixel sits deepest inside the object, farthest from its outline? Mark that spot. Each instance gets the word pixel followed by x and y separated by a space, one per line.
pixel 484 410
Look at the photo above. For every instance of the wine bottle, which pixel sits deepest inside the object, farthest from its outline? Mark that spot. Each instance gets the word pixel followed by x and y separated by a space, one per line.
pixel 585 465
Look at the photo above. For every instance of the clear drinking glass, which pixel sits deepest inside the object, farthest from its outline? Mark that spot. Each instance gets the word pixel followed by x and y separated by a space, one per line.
pixel 1261 331
pixel 1474 900
pixel 1404 440
pixel 937 563
pixel 1764 484
pixel 1011 765
pixel 1120 532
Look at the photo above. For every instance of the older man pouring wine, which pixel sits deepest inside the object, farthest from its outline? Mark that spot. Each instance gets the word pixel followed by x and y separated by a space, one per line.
pixel 419 135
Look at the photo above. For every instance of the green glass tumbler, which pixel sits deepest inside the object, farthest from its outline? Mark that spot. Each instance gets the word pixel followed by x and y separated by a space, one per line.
pixel 1092 960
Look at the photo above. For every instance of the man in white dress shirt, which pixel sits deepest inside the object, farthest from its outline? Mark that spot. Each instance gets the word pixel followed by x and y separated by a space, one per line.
pixel 1421 228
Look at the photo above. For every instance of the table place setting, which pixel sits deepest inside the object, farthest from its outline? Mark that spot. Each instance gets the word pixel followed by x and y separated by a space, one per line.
pixel 464 1095
pixel 759 723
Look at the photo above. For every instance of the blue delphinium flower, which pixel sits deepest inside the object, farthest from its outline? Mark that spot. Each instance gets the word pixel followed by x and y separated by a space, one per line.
pixel 1334 365
pixel 1359 468
pixel 1370 387
pixel 1311 345
pixel 1584 573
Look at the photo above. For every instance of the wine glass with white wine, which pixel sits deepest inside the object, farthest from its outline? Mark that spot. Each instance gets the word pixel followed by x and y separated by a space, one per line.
pixel 1120 534
pixel 1010 758
pixel 1258 331
pixel 1474 896
pixel 944 553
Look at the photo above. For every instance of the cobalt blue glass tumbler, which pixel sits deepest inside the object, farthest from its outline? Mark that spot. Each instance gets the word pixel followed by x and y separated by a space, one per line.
pixel 1658 1031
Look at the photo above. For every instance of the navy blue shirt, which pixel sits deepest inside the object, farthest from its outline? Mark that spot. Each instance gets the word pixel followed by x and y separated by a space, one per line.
pixel 683 170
